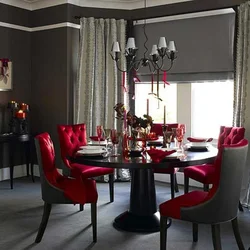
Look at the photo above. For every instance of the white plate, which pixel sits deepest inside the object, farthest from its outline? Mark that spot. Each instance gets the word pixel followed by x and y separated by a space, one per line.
pixel 92 153
pixel 92 148
pixel 93 143
pixel 198 144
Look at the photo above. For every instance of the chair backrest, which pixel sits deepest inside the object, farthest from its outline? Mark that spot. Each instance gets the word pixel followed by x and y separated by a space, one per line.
pixel 49 175
pixel 221 203
pixel 71 137
pixel 157 128
pixel 230 135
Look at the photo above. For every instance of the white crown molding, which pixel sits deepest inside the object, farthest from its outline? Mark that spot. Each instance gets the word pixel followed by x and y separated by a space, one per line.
pixel 40 28
pixel 186 16
pixel 110 4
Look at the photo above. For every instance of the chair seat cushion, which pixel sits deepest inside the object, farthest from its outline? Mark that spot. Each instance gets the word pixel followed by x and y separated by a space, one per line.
pixel 89 171
pixel 165 170
pixel 78 190
pixel 172 208
pixel 202 173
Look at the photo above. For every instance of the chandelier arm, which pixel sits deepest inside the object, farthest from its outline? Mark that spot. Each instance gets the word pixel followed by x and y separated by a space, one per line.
pixel 116 62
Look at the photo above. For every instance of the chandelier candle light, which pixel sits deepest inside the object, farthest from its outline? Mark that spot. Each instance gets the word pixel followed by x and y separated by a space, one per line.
pixel 155 61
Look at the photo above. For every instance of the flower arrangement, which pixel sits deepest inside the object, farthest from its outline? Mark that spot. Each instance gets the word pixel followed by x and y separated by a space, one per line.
pixel 132 120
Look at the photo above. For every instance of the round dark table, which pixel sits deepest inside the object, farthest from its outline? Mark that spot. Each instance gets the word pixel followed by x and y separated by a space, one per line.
pixel 142 214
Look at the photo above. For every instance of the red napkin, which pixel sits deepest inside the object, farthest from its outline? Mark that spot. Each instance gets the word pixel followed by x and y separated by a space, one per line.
pixel 95 138
pixel 193 139
pixel 158 155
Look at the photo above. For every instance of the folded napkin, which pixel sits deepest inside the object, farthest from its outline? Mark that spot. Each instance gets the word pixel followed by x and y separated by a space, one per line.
pixel 95 138
pixel 158 155
pixel 193 139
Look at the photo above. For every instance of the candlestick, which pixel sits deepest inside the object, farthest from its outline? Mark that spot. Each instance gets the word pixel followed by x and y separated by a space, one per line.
pixel 147 106
pixel 164 117
pixel 125 119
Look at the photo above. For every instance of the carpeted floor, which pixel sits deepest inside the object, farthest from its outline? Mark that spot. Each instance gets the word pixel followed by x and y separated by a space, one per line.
pixel 68 229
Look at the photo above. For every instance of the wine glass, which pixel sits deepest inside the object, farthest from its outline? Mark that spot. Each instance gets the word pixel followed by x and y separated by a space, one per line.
pixel 99 131
pixel 115 140
pixel 168 137
pixel 107 132
pixel 179 137
pixel 174 137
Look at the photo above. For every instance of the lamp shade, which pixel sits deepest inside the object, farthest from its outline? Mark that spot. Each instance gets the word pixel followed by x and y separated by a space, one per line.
pixel 116 47
pixel 162 43
pixel 131 43
pixel 171 46
pixel 154 50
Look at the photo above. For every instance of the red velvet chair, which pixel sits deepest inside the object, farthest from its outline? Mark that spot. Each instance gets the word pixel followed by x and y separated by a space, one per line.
pixel 217 206
pixel 205 173
pixel 157 128
pixel 71 137
pixel 59 189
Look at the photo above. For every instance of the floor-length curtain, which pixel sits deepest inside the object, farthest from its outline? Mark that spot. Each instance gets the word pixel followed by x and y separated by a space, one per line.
pixel 242 87
pixel 99 83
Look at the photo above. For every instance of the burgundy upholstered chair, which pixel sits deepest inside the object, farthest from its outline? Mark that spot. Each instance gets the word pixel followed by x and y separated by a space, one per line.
pixel 71 137
pixel 157 128
pixel 59 189
pixel 205 173
pixel 217 206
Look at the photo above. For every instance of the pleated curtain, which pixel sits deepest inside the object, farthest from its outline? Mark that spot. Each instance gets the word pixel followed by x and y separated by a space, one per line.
pixel 242 88
pixel 99 83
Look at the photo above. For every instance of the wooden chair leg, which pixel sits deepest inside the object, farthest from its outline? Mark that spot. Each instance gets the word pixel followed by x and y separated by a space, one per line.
pixel 241 207
pixel 216 237
pixel 94 221
pixel 45 218
pixel 163 233
pixel 206 187
pixel 172 185
pixel 111 187
pixel 195 232
pixel 81 207
pixel 237 234
pixel 186 184
pixel 176 184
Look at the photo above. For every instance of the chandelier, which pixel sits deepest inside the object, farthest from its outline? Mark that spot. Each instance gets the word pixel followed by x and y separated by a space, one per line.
pixel 156 59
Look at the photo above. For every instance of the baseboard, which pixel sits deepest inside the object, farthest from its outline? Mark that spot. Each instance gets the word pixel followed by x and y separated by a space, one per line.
pixel 180 179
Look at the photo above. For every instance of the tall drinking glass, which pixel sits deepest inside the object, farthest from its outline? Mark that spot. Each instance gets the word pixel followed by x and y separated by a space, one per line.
pixel 99 131
pixel 179 137
pixel 115 140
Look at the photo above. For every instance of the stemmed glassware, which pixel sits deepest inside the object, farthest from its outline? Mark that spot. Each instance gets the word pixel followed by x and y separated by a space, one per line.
pixel 115 140
pixel 107 133
pixel 180 137
pixel 99 131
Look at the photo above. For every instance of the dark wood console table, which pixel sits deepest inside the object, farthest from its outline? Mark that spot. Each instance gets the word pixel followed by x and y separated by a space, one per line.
pixel 12 140
pixel 142 215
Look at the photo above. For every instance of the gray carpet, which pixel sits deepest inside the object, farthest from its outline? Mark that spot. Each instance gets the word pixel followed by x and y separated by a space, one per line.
pixel 21 210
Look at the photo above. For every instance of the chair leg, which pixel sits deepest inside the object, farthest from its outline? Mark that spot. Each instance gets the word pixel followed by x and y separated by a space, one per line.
pixel 172 184
pixel 237 234
pixel 206 187
pixel 216 237
pixel 176 184
pixel 163 233
pixel 195 232
pixel 45 218
pixel 186 184
pixel 94 221
pixel 111 187
pixel 240 207
pixel 81 207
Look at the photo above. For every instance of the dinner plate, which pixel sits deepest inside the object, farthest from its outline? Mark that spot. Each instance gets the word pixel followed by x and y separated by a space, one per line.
pixel 96 143
pixel 197 144
pixel 92 148
pixel 92 153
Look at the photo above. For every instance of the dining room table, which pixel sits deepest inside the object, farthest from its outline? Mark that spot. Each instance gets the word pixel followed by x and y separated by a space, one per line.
pixel 142 215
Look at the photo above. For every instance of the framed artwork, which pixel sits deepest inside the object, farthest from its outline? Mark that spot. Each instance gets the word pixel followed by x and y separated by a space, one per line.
pixel 5 75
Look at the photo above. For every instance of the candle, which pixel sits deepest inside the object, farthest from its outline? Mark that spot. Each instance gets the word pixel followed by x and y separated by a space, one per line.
pixel 20 114
pixel 147 106
pixel 164 117
pixel 24 107
pixel 125 119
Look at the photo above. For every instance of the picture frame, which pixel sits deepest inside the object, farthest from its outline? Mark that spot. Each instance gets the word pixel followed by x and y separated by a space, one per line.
pixel 5 75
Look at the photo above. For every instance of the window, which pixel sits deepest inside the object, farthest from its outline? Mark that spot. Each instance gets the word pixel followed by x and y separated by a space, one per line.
pixel 156 108
pixel 203 108
pixel 212 106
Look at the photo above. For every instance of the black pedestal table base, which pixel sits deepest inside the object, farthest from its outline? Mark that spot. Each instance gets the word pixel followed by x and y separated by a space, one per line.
pixel 134 223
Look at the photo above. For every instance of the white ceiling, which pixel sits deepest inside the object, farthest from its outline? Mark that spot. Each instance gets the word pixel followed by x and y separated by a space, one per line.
pixel 113 4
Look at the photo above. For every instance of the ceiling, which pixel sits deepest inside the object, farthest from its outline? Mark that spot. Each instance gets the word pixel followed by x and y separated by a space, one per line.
pixel 112 4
